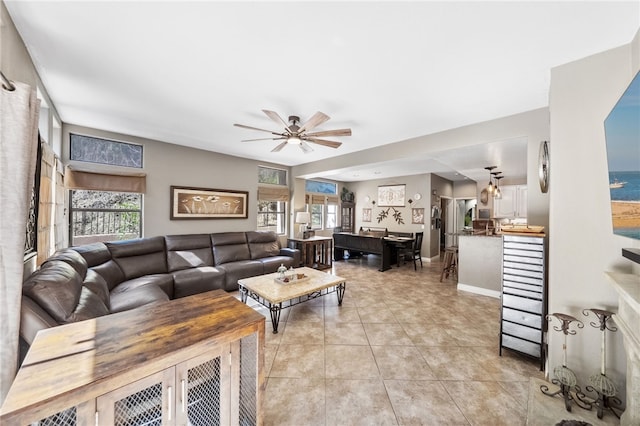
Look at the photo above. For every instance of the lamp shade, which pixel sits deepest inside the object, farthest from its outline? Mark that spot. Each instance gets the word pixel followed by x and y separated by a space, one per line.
pixel 303 217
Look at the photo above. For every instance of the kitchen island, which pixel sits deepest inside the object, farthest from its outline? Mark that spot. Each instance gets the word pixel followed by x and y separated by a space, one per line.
pixel 480 264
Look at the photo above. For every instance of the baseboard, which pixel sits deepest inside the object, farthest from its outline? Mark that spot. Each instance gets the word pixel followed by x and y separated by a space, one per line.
pixel 479 290
pixel 433 259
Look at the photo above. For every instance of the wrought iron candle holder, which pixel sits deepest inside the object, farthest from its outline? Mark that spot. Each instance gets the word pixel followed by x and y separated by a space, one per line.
pixel 600 384
pixel 565 378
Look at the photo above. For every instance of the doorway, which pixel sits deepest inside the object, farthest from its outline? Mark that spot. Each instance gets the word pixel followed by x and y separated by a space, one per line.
pixel 447 224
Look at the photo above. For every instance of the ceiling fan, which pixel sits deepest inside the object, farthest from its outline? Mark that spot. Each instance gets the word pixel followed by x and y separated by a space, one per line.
pixel 298 135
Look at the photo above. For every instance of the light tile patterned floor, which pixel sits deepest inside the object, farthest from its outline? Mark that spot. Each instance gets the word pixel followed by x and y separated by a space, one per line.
pixel 403 349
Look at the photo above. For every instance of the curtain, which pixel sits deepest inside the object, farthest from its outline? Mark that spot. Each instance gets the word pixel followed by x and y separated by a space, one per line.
pixel 271 193
pixel 317 199
pixel 18 147
pixel 333 199
pixel 77 177
pixel 51 200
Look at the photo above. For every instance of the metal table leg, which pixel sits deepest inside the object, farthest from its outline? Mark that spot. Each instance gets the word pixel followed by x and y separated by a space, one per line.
pixel 275 310
pixel 340 292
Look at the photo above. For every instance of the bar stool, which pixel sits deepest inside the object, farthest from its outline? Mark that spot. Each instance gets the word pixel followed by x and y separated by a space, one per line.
pixel 450 265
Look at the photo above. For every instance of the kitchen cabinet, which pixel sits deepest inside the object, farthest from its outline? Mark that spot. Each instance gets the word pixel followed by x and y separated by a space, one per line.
pixel 513 203
pixel 524 301
pixel 195 360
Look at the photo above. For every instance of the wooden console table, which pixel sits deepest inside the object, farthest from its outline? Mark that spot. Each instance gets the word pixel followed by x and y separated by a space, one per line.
pixel 194 360
pixel 316 252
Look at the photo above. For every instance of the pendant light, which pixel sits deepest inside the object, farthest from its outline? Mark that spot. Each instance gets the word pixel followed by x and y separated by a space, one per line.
pixel 497 193
pixel 490 186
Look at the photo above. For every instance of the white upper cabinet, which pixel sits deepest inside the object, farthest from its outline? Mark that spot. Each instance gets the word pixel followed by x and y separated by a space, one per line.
pixel 513 202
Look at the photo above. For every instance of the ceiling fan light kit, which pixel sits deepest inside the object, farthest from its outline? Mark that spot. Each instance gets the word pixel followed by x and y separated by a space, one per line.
pixel 297 135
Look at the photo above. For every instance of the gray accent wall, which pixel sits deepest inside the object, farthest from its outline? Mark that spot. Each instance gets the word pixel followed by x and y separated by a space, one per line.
pixel 167 164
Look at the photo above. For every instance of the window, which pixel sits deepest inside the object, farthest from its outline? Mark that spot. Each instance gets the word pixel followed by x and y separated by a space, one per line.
pixel 104 216
pixel 320 187
pixel 273 196
pixel 104 206
pixel 271 216
pixel 272 176
pixel 332 214
pixel 317 211
pixel 323 202
pixel 95 150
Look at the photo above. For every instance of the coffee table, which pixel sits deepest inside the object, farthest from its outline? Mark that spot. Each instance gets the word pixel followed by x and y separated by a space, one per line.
pixel 275 296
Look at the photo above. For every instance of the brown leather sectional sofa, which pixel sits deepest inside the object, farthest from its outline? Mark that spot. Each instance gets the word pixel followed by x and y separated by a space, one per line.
pixel 98 279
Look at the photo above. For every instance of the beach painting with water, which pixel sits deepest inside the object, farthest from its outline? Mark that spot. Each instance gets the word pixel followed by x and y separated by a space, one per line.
pixel 622 131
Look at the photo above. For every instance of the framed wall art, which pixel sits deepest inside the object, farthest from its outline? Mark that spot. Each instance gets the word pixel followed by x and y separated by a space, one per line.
pixel 417 215
pixel 366 215
pixel 391 195
pixel 204 203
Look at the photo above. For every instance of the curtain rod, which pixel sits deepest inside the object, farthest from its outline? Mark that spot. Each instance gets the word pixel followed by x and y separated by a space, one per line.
pixel 6 83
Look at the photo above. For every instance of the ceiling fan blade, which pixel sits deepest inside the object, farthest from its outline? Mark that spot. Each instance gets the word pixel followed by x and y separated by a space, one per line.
pixel 305 147
pixel 279 147
pixel 262 139
pixel 324 142
pixel 315 120
pixel 276 117
pixel 261 130
pixel 337 132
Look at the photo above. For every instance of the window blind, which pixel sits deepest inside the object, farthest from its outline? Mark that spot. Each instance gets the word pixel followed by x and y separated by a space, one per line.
pixel 77 177
pixel 271 193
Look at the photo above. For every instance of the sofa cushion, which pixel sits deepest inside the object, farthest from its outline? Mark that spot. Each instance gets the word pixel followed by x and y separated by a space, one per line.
pixel 56 287
pixel 94 282
pixel 138 257
pixel 271 264
pixel 33 319
pixel 197 280
pixel 263 244
pixel 73 258
pixel 229 247
pixel 237 270
pixel 89 306
pixel 137 297
pixel 94 254
pixel 162 281
pixel 110 272
pixel 188 251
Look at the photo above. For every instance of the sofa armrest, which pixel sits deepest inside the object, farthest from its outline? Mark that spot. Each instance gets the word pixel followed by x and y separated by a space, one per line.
pixel 291 252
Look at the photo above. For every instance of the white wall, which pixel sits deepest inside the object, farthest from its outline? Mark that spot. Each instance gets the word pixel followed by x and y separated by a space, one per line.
pixel 168 164
pixel 582 245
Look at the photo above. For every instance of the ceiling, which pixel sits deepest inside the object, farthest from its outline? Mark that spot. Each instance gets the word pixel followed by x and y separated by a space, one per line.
pixel 185 72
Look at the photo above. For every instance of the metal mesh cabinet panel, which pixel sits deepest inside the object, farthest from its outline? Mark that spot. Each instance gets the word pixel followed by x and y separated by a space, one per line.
pixel 64 418
pixel 248 380
pixel 203 393
pixel 144 402
pixel 141 408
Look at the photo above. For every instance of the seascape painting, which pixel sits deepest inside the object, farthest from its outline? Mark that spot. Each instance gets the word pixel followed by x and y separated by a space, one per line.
pixel 622 131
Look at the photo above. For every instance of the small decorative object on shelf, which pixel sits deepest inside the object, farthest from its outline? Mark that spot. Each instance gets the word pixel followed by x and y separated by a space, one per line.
pixel 564 376
pixel 600 383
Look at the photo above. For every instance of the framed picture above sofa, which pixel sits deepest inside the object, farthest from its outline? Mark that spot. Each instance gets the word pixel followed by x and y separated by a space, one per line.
pixel 204 203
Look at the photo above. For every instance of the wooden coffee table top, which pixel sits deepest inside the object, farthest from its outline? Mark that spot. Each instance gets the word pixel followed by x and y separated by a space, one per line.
pixel 266 287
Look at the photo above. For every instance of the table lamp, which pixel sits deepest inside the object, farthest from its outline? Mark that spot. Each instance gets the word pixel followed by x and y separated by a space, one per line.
pixel 303 218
